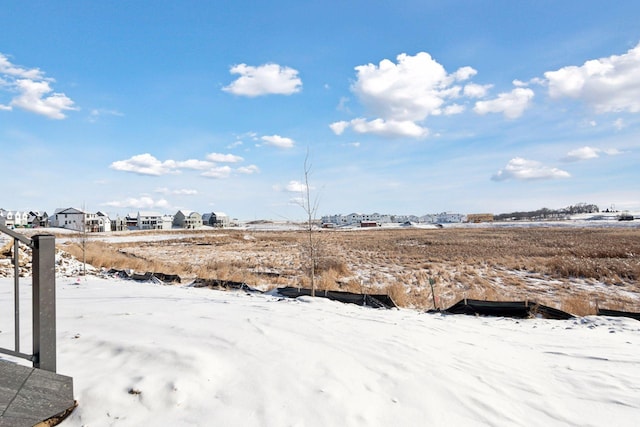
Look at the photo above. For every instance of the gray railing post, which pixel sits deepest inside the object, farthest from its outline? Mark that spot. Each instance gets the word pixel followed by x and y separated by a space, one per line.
pixel 44 302
pixel 16 293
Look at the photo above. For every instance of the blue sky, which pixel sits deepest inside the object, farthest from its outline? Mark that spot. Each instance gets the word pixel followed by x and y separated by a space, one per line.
pixel 402 107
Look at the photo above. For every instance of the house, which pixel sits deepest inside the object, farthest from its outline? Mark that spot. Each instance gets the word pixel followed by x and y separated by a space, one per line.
pixel 444 217
pixel 79 220
pixel 167 222
pixel 215 219
pixel 131 221
pixel 119 224
pixel 3 218
pixel 187 219
pixel 14 218
pixel 149 220
pixel 98 222
pixel 69 218
pixel 37 219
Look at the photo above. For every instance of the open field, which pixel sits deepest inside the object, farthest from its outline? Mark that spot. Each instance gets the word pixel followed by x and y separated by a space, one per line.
pixel 568 268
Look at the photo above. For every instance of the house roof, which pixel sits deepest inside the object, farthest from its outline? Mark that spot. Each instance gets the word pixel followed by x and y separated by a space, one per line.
pixel 68 211
pixel 149 213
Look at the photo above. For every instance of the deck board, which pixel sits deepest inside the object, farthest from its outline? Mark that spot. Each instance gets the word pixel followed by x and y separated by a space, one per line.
pixel 29 396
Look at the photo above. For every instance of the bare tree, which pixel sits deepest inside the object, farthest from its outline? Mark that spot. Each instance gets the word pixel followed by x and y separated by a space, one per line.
pixel 84 238
pixel 310 209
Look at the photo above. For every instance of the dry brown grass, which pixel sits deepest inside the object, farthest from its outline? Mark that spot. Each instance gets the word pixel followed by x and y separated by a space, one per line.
pixel 553 266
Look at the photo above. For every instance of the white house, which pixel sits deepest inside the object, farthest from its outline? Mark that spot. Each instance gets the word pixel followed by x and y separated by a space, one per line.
pixel 153 221
pixel 444 217
pixel 69 218
pixel 15 218
pixel 98 222
pixel 356 218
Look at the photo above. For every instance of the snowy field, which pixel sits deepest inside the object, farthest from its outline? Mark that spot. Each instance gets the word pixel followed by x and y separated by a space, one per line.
pixel 144 354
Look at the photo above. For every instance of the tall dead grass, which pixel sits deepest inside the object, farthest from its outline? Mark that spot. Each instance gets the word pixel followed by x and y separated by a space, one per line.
pixel 487 263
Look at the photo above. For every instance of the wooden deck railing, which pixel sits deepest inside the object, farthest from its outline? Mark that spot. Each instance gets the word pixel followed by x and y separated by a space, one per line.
pixel 43 299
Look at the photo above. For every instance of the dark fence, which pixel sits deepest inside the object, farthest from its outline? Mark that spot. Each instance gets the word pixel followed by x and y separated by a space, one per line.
pixel 517 309
pixel 43 299
pixel 223 285
pixel 145 277
pixel 368 300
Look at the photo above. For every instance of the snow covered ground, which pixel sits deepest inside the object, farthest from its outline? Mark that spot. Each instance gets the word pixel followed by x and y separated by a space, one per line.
pixel 144 354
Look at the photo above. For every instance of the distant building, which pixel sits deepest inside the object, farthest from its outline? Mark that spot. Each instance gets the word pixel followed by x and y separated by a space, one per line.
pixel 153 221
pixel 358 218
pixel 119 224
pixel 69 218
pixel 98 222
pixel 215 219
pixel 148 220
pixel 37 219
pixel 187 219
pixel 14 218
pixel 131 221
pixel 78 220
pixel 442 218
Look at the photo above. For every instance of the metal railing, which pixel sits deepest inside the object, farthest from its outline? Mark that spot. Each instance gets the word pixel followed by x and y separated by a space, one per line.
pixel 43 299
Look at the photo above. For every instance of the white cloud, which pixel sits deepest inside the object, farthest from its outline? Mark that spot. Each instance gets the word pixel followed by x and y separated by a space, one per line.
pixel 33 97
pixel 224 158
pixel 473 90
pixel 511 104
pixel 96 113
pixel 339 127
pixel 606 84
pixel 144 202
pixel 391 128
pixel 452 109
pixel 34 92
pixel 464 73
pixel 248 170
pixel 414 88
pixel 180 192
pixel 278 141
pixel 402 94
pixel 523 169
pixel 235 144
pixel 218 172
pixel 583 153
pixel 265 79
pixel 296 187
pixel 193 164
pixel 145 164
pixel 587 153
pixel 7 68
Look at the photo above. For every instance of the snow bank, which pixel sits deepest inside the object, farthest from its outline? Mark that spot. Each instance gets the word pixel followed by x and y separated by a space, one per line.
pixel 143 354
